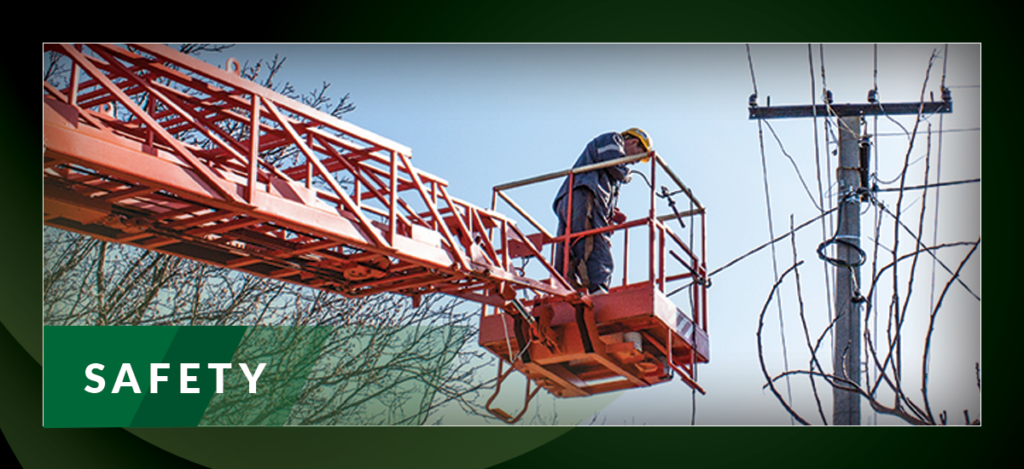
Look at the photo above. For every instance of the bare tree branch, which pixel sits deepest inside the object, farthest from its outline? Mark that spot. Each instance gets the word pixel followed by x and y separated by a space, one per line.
pixel 760 348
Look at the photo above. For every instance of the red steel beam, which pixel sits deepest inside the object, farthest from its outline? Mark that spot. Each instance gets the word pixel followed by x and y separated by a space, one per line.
pixel 210 194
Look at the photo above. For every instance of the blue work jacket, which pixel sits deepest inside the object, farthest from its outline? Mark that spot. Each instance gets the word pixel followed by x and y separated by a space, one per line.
pixel 604 183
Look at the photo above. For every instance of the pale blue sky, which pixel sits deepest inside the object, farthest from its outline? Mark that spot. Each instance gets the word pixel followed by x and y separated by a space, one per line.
pixel 483 114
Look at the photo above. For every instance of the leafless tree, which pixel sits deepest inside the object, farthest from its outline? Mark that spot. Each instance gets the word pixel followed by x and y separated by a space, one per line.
pixel 886 359
pixel 886 298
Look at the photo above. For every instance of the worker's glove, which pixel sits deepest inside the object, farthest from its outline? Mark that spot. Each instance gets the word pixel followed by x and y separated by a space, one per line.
pixel 618 217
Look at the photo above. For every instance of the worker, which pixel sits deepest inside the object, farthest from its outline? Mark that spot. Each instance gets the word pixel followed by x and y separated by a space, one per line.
pixel 594 199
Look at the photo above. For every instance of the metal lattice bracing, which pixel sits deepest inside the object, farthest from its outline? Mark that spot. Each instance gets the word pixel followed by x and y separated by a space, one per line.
pixel 157 149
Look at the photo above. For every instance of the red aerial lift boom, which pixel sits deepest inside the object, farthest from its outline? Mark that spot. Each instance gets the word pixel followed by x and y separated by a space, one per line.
pixel 137 150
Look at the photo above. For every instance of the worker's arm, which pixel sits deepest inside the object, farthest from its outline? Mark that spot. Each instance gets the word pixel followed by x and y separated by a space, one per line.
pixel 610 149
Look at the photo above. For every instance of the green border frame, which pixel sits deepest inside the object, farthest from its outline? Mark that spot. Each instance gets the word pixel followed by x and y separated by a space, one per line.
pixel 20 339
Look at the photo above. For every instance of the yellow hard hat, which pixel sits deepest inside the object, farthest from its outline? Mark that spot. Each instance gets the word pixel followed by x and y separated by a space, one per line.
pixel 639 134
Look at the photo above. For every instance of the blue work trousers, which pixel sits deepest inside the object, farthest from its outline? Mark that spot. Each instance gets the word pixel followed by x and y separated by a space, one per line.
pixel 590 262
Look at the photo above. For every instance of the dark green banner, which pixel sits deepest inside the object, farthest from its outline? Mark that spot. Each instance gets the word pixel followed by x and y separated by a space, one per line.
pixel 130 376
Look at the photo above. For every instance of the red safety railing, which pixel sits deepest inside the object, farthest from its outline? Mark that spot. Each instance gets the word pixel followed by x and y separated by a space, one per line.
pixel 633 335
pixel 664 264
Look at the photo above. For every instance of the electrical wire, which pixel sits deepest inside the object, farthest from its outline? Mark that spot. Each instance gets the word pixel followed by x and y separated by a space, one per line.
pixel 771 231
pixel 940 131
pixel 642 176
pixel 938 177
pixel 874 259
pixel 925 186
pixel 795 167
pixel 828 179
pixel 751 62
pixel 817 165
pixel 836 238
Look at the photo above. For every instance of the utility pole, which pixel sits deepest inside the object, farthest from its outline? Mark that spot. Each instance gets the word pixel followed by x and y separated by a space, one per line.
pixel 852 175
pixel 846 351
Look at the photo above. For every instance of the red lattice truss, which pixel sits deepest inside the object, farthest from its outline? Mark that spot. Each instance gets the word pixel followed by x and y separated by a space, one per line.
pixel 144 149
